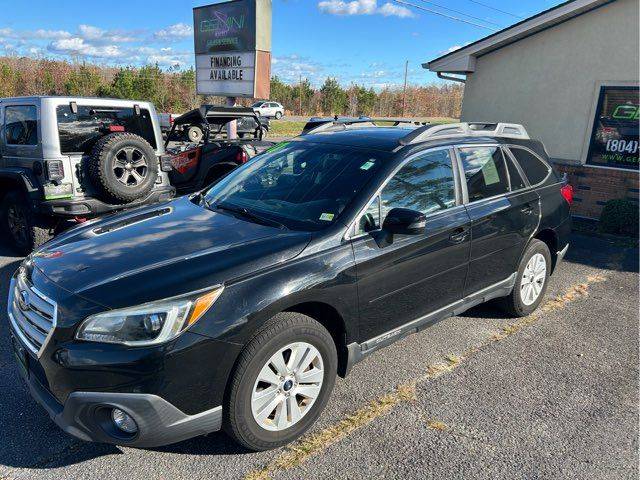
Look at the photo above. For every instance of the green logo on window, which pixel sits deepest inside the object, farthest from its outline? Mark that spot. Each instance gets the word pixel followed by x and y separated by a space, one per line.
pixel 626 112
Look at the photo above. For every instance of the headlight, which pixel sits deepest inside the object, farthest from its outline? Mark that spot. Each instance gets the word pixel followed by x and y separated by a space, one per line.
pixel 148 324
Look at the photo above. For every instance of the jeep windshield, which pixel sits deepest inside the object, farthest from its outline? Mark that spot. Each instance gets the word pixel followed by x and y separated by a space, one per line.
pixel 304 186
pixel 79 131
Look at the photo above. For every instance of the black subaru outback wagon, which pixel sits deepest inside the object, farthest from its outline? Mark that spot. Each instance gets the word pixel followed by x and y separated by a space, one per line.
pixel 237 307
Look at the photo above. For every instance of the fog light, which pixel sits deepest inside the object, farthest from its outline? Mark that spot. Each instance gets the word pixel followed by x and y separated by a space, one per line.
pixel 124 421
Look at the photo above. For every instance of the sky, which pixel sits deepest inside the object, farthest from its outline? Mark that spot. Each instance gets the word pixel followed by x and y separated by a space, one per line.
pixel 355 41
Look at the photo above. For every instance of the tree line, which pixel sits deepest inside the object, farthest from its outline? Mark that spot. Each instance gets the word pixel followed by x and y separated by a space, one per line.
pixel 174 90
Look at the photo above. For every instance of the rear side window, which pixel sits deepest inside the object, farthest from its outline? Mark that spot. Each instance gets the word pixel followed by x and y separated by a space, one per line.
pixel 78 132
pixel 21 125
pixel 534 168
pixel 485 172
pixel 517 182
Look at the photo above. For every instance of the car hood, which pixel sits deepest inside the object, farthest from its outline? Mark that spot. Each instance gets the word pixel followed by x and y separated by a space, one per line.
pixel 162 251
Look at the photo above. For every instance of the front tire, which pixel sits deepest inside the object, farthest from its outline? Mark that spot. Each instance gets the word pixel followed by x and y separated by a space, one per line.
pixel 531 281
pixel 281 382
pixel 278 115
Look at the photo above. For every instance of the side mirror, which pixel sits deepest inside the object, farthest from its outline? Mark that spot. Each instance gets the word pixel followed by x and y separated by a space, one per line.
pixel 404 221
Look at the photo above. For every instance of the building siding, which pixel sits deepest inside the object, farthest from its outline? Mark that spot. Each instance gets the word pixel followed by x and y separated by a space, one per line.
pixel 549 81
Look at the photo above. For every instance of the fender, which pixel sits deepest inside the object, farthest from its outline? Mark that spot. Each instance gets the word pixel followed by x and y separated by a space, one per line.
pixel 24 178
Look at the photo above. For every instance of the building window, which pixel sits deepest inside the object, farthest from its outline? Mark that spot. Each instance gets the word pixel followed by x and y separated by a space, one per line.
pixel 614 140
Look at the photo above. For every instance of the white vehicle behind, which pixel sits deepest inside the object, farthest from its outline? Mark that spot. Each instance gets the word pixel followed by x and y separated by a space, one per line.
pixel 269 109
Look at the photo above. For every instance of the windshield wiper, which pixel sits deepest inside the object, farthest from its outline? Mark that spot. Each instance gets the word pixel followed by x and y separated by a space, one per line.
pixel 246 213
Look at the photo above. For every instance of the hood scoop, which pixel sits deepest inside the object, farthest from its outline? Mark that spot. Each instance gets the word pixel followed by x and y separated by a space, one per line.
pixel 110 227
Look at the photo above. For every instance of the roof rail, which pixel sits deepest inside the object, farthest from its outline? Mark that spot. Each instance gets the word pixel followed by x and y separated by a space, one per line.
pixel 475 129
pixel 345 123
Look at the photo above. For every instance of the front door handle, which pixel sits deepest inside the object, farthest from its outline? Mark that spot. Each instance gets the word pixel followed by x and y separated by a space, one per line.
pixel 459 235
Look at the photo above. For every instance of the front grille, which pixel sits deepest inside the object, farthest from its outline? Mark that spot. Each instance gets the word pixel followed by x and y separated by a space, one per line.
pixel 32 314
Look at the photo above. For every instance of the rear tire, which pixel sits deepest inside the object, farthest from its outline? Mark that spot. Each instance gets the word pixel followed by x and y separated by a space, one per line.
pixel 261 415
pixel 24 229
pixel 531 280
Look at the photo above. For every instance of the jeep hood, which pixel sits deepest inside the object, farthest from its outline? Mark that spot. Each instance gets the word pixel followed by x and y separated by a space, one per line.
pixel 162 251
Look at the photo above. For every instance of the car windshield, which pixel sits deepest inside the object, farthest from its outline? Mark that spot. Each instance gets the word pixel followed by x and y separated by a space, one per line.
pixel 257 104
pixel 304 186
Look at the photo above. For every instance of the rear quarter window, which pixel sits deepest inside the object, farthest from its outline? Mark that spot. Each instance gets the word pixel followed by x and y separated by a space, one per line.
pixel 21 125
pixel 78 132
pixel 533 167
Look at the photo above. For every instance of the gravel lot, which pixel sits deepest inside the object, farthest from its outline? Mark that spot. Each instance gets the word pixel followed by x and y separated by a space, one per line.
pixel 554 395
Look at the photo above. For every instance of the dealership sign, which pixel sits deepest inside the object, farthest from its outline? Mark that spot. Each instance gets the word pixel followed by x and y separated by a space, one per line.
pixel 232 42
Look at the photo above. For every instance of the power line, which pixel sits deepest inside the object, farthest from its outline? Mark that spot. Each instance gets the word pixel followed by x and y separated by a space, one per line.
pixel 450 17
pixel 459 12
pixel 496 9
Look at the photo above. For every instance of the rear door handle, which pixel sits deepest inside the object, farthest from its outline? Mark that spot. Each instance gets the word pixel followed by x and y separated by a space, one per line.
pixel 459 235
pixel 527 209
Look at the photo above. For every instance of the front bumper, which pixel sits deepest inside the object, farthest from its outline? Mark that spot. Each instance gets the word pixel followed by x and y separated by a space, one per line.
pixel 87 416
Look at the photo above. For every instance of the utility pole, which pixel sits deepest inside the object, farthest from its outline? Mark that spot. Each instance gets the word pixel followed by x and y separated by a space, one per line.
pixel 404 92
pixel 300 99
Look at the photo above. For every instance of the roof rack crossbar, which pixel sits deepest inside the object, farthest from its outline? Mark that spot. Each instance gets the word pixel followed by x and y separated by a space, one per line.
pixel 476 129
pixel 345 123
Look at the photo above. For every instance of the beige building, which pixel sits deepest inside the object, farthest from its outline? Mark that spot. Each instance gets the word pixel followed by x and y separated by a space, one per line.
pixel 570 75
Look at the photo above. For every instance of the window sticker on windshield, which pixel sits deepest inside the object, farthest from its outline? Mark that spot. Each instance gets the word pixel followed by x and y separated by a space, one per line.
pixel 490 173
pixel 367 165
pixel 326 217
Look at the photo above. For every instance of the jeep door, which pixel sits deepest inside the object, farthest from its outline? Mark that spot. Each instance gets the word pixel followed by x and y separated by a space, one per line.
pixel 504 214
pixel 415 274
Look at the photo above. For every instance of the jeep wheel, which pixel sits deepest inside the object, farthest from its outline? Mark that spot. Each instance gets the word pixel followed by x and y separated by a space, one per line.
pixel 194 134
pixel 25 230
pixel 123 166
pixel 281 383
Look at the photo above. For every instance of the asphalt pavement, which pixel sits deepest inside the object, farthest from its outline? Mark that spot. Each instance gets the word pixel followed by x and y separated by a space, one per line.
pixel 481 395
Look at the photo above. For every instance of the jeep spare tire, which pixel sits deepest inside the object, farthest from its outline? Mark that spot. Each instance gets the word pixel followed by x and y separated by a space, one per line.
pixel 123 166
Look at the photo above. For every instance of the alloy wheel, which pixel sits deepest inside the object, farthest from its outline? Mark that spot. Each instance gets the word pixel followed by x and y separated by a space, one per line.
pixel 287 386
pixel 130 167
pixel 533 278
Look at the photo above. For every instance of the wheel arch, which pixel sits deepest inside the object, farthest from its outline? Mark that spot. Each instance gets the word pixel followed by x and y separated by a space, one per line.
pixel 18 179
pixel 331 319
pixel 550 238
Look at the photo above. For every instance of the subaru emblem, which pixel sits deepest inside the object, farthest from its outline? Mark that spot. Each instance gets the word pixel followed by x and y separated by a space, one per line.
pixel 24 300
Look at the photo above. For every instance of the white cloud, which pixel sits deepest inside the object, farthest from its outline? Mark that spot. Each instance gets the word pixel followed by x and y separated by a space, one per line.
pixel 453 48
pixel 100 36
pixel 392 10
pixel 176 31
pixel 363 7
pixel 36 34
pixel 78 46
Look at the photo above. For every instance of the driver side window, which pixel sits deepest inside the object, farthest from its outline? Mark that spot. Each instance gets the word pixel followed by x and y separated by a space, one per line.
pixel 425 184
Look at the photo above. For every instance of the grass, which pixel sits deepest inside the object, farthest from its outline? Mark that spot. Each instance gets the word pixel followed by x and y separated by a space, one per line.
pixel 291 128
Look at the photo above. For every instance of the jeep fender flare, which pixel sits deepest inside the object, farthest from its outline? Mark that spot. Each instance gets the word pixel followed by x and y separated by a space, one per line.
pixel 23 179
